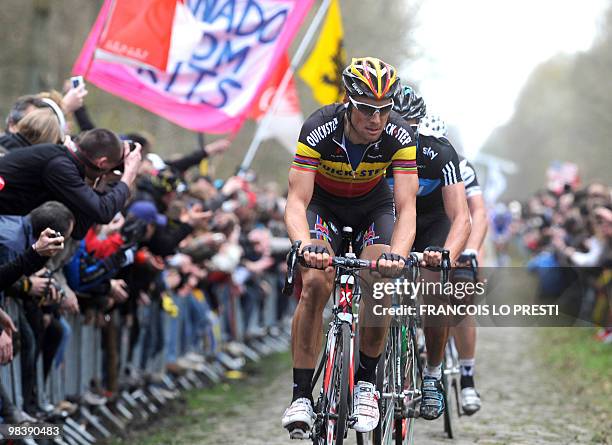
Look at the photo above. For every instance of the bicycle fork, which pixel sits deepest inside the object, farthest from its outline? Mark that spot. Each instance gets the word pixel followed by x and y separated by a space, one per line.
pixel 327 405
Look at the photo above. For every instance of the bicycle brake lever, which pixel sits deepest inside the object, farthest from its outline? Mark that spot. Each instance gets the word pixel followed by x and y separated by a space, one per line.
pixel 474 265
pixel 445 263
pixel 413 259
pixel 445 266
pixel 292 259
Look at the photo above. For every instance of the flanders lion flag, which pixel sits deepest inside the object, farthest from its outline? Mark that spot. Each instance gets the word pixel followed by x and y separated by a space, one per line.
pixel 323 70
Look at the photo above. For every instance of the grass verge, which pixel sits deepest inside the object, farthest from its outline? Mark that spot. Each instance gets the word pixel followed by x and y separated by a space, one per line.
pixel 581 368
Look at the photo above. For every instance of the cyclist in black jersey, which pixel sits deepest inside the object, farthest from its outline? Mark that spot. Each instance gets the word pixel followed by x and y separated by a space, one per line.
pixel 442 220
pixel 465 334
pixel 336 180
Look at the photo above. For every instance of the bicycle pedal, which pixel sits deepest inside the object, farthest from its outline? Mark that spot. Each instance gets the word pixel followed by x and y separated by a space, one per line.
pixel 299 434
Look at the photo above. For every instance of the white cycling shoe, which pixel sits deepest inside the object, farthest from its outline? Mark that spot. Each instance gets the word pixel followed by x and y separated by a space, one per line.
pixel 299 418
pixel 470 400
pixel 365 407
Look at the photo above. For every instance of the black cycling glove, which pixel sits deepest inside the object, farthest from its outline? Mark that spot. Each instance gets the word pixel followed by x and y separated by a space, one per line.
pixel 390 256
pixel 314 248
pixel 466 256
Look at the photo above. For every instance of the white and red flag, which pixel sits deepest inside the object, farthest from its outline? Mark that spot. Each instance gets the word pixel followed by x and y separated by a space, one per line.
pixel 287 119
pixel 200 64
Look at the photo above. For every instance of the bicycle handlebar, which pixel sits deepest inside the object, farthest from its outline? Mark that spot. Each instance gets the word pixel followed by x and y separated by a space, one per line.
pixel 472 261
pixel 411 267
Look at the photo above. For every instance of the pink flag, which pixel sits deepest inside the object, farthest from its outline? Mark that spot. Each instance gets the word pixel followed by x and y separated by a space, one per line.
pixel 221 54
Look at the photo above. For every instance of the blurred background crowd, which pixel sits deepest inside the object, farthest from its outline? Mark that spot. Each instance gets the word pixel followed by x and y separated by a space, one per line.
pixel 566 235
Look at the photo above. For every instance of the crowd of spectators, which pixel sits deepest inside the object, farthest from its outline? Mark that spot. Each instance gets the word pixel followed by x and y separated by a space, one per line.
pixel 568 237
pixel 97 227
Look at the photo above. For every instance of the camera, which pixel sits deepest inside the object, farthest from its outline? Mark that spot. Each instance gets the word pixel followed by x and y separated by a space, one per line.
pixel 131 144
pixel 76 81
pixel 51 283
pixel 118 170
pixel 55 235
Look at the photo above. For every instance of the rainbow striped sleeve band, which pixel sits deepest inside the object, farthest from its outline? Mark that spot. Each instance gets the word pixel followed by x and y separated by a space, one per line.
pixel 402 166
pixel 305 163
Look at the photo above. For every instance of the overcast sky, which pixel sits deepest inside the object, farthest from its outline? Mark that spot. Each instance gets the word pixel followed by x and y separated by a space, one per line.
pixel 477 54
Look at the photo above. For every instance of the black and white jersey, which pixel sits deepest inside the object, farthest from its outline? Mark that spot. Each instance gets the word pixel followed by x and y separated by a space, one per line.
pixel 437 167
pixel 470 179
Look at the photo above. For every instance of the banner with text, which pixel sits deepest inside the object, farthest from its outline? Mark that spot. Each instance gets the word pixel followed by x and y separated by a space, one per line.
pixel 211 87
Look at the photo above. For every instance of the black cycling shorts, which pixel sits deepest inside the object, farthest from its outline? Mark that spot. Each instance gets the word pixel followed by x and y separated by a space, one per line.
pixel 432 230
pixel 370 216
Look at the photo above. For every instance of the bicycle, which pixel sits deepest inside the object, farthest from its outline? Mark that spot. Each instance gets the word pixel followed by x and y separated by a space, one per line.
pixel 333 408
pixel 399 370
pixel 451 370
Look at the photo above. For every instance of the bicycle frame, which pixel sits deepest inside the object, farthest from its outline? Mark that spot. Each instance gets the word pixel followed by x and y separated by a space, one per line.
pixel 346 298
pixel 397 377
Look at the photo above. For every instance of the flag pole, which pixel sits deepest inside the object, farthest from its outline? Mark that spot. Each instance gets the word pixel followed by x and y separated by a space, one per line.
pixel 299 53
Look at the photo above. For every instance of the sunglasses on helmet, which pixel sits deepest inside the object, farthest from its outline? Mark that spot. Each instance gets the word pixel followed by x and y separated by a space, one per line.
pixel 370 110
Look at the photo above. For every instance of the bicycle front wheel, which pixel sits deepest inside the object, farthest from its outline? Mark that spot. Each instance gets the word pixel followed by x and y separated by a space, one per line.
pixel 387 387
pixel 337 387
pixel 446 378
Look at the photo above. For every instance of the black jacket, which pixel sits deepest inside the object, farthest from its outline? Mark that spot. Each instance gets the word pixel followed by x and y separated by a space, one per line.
pixel 34 175
pixel 25 264
pixel 10 141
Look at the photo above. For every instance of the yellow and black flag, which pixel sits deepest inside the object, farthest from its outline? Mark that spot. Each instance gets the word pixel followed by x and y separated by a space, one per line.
pixel 323 69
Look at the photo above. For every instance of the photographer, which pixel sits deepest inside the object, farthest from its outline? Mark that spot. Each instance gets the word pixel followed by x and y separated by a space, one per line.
pixel 38 296
pixel 36 236
pixel 33 259
pixel 33 175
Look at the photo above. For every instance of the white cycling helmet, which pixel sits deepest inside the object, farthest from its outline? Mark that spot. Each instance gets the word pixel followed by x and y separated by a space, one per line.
pixel 432 125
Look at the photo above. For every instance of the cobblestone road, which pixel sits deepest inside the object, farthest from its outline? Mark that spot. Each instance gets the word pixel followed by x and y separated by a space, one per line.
pixel 519 406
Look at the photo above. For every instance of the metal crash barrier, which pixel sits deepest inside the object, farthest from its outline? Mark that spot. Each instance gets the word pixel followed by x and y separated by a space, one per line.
pixel 149 366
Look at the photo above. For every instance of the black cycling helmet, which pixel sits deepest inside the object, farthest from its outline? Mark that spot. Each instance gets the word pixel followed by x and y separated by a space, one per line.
pixel 409 104
pixel 370 77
